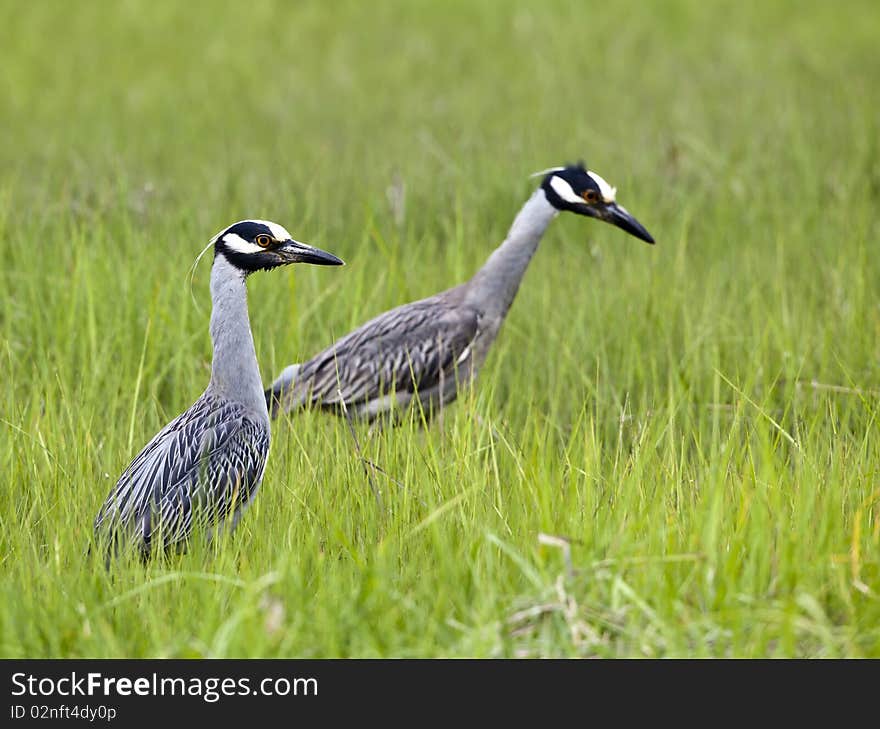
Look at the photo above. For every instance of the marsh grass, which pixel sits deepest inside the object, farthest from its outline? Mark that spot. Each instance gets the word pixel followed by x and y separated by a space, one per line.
pixel 671 451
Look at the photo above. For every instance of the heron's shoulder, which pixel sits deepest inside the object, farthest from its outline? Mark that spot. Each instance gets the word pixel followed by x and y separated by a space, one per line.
pixel 209 420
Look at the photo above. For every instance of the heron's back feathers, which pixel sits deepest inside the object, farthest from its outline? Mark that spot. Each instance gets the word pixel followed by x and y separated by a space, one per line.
pixel 410 349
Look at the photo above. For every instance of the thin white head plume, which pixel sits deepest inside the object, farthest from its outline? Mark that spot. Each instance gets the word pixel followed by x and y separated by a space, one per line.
pixel 546 172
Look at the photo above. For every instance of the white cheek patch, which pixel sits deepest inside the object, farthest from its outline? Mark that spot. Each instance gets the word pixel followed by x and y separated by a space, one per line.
pixel 564 190
pixel 607 192
pixel 238 244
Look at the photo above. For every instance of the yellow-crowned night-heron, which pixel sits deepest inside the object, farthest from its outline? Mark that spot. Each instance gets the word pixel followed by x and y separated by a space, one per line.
pixel 429 348
pixel 204 467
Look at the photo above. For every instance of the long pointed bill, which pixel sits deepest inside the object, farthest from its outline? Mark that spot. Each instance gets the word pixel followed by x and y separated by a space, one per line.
pixel 295 252
pixel 620 216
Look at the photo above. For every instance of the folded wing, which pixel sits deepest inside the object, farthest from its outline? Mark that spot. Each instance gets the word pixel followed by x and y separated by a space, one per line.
pixel 202 467
pixel 410 349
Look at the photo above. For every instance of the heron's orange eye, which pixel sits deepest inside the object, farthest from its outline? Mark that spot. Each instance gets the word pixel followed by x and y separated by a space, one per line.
pixel 591 196
pixel 263 240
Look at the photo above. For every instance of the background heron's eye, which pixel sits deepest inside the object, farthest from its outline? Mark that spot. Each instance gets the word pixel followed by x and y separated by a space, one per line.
pixel 263 240
pixel 590 196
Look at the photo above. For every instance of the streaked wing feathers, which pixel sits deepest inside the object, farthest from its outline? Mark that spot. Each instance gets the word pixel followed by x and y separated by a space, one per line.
pixel 406 349
pixel 202 466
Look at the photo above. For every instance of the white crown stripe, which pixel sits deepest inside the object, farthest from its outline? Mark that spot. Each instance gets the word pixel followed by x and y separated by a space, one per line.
pixel 278 232
pixel 608 192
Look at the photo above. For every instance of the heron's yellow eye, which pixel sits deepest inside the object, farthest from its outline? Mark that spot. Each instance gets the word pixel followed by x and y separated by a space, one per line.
pixel 590 196
pixel 263 240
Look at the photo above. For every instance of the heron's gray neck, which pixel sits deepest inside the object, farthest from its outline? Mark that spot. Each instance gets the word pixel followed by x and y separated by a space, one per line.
pixel 494 286
pixel 234 371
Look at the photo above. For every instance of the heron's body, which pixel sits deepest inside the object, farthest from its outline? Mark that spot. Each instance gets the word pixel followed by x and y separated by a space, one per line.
pixel 421 349
pixel 428 349
pixel 205 466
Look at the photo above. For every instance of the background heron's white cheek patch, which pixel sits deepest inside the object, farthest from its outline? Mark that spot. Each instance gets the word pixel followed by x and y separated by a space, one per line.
pixel 564 190
pixel 238 244
pixel 608 192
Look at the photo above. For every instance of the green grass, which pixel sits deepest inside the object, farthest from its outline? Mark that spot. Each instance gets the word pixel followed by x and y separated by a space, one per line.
pixel 698 420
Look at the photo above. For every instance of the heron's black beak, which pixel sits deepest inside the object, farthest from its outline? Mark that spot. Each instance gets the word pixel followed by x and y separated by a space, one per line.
pixel 621 217
pixel 295 252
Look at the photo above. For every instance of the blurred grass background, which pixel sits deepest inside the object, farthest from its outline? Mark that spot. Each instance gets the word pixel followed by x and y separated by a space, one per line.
pixel 698 421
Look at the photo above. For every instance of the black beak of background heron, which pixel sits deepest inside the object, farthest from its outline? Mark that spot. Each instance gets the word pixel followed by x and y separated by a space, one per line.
pixel 295 252
pixel 620 216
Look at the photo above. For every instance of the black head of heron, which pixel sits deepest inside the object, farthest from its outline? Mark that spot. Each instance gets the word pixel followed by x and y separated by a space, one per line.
pixel 260 245
pixel 578 190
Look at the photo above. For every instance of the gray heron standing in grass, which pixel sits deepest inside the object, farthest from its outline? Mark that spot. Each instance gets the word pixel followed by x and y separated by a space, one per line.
pixel 429 348
pixel 204 467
